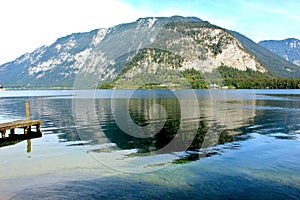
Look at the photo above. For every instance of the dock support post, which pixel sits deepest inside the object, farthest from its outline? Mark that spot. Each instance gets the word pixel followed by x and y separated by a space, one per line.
pixel 12 132
pixel 3 133
pixel 27 130
pixel 38 129
pixel 27 110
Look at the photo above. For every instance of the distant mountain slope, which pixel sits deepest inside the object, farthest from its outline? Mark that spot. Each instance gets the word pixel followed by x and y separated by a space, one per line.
pixel 207 45
pixel 270 60
pixel 289 49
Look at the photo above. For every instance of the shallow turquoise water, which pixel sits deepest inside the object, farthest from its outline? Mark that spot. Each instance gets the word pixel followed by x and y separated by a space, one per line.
pixel 234 144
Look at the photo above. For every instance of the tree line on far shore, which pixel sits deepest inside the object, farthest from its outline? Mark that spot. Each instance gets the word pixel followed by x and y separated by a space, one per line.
pixel 227 77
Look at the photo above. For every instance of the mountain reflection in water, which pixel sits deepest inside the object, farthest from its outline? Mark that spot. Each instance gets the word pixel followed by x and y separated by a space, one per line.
pixel 215 122
pixel 94 124
pixel 250 140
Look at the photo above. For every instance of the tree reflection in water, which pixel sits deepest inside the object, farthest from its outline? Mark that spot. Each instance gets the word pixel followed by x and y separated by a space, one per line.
pixel 101 129
pixel 142 115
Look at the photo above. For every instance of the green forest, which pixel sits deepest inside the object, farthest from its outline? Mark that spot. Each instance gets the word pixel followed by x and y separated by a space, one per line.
pixel 236 79
pixel 227 77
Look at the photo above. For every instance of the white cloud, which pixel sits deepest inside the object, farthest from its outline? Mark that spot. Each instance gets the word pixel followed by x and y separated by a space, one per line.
pixel 27 25
pixel 295 17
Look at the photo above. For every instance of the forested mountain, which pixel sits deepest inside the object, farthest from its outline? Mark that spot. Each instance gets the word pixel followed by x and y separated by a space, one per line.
pixel 149 50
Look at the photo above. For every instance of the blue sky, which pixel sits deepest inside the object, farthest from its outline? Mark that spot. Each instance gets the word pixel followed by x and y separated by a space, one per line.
pixel 27 25
pixel 259 20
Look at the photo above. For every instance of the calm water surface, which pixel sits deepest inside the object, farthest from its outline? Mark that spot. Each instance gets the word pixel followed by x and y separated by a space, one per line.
pixel 154 144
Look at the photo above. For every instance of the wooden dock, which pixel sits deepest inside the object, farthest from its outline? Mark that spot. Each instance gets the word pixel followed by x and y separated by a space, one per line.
pixel 25 124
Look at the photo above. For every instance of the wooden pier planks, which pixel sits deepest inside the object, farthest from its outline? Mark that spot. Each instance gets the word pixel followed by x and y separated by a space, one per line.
pixel 20 124
pixel 26 124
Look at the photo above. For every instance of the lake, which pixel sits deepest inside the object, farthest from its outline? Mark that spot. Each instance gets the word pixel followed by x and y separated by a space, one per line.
pixel 154 144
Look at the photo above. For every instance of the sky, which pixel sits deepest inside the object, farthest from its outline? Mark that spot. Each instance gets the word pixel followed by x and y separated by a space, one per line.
pixel 26 25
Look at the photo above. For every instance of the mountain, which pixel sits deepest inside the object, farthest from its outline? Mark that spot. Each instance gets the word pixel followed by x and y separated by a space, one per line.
pixel 51 65
pixel 289 49
pixel 274 63
pixel 154 45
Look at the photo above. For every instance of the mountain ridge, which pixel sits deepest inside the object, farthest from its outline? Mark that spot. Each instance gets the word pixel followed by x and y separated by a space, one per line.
pixel 289 48
pixel 59 63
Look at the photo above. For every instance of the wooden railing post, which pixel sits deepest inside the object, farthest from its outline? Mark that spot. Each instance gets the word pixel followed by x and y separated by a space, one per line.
pixel 27 110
